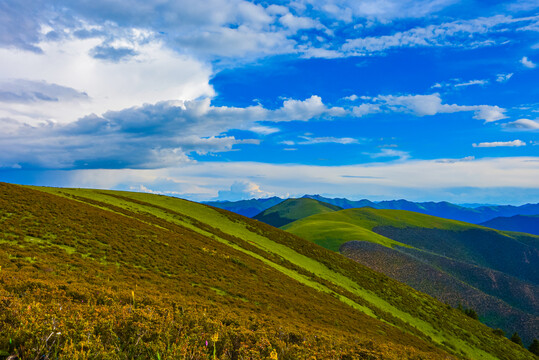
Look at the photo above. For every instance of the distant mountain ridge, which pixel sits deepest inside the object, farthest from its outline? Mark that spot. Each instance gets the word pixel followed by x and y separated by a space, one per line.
pixel 247 208
pixel 522 223
pixel 440 209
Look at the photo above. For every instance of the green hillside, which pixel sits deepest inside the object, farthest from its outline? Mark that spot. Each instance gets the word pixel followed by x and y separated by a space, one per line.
pixel 293 209
pixel 104 274
pixel 424 252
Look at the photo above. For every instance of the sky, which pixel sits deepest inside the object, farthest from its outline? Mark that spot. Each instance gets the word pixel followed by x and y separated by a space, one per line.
pixel 427 100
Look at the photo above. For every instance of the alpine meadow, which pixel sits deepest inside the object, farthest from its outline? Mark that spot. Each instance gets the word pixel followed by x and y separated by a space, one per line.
pixel 280 180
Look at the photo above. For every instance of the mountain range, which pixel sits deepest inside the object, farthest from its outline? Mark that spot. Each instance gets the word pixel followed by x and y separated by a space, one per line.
pixel 444 209
pixel 109 274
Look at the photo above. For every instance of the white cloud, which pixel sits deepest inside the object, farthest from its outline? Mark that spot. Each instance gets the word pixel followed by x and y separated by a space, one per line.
pixel 460 33
pixel 524 124
pixel 352 97
pixel 374 180
pixel 304 110
pixel 154 74
pixel 365 109
pixel 264 130
pixel 503 77
pixel 451 161
pixel 500 143
pixel 325 140
pixel 390 153
pixel 295 23
pixel 243 190
pixel 488 113
pixel 527 63
pixel 149 136
pixel 422 105
pixel 383 11
pixel 472 82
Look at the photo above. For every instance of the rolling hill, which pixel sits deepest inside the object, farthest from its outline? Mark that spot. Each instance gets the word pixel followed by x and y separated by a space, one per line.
pixel 496 273
pixel 108 274
pixel 522 223
pixel 292 210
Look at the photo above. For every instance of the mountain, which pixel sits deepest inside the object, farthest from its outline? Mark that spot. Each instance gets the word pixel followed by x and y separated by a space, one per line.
pixel 247 208
pixel 522 223
pixel 496 273
pixel 474 215
pixel 292 210
pixel 440 209
pixel 108 274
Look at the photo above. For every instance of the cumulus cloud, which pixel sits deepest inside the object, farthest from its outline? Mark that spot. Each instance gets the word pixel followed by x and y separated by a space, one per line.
pixel 523 124
pixel 304 110
pixel 501 143
pixel 352 97
pixel 423 105
pixel 264 130
pixel 149 136
pixel 67 68
pixel 243 190
pixel 527 63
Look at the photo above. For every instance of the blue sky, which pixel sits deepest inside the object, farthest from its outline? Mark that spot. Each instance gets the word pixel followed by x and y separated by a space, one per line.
pixel 231 99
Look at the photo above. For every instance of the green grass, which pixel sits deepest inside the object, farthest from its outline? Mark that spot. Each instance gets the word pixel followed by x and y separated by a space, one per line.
pixel 333 232
pixel 224 234
pixel 470 246
pixel 294 209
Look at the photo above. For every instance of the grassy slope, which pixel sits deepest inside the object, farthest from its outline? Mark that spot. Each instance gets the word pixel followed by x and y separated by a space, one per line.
pixel 104 281
pixel 467 243
pixel 255 270
pixel 352 284
pixel 334 229
pixel 369 224
pixel 502 301
pixel 293 209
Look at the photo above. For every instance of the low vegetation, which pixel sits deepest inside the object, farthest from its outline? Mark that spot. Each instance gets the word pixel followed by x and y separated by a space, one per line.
pixel 494 272
pixel 101 274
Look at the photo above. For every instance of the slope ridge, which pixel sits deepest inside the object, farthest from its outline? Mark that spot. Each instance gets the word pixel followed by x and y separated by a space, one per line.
pixel 294 209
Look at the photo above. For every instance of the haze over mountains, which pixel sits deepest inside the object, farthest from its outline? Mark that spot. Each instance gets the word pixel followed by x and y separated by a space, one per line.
pixel 446 210
pixel 496 273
